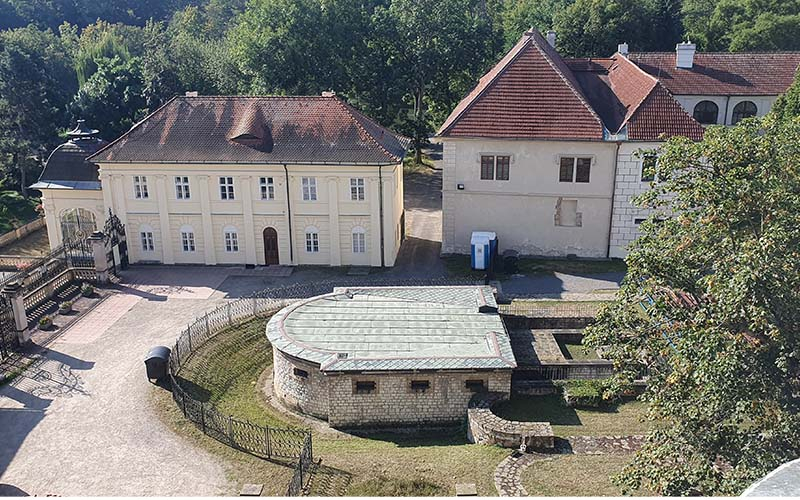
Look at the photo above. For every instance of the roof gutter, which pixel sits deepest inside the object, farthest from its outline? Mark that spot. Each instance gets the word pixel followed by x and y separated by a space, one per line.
pixel 289 213
pixel 613 196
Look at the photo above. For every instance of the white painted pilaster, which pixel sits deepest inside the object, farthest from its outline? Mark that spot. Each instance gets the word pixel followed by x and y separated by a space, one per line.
pixel 168 256
pixel 208 230
pixel 246 183
pixel 333 221
pixel 375 221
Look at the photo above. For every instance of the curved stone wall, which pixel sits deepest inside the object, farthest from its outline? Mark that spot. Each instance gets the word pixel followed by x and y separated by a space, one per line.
pixel 308 394
pixel 484 427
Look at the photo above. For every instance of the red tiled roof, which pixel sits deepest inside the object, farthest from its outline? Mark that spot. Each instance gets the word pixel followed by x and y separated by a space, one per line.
pixel 529 94
pixel 722 73
pixel 659 116
pixel 239 129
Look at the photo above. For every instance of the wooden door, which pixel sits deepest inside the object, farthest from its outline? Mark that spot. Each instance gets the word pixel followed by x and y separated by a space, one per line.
pixel 270 246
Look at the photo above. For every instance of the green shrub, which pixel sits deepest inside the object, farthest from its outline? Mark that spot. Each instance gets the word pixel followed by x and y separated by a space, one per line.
pixel 65 307
pixel 87 290
pixel 45 322
pixel 588 393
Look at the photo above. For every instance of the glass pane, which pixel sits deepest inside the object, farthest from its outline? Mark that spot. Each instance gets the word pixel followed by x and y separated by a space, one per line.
pixel 565 169
pixel 582 170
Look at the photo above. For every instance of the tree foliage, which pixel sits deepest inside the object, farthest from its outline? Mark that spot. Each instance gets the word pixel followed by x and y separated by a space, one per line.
pixel 720 258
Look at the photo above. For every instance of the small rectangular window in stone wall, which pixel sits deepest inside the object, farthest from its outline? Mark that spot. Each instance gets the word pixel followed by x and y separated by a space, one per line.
pixel 300 373
pixel 420 385
pixel 475 385
pixel 364 387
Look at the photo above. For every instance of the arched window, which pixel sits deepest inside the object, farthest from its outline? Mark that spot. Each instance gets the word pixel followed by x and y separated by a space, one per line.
pixel 706 112
pixel 312 239
pixel 231 237
pixel 744 109
pixel 359 240
pixel 187 239
pixel 77 223
pixel 146 238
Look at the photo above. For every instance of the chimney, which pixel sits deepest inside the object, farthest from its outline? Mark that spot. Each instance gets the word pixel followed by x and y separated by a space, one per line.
pixel 623 49
pixel 684 55
pixel 192 93
pixel 551 38
pixel 328 93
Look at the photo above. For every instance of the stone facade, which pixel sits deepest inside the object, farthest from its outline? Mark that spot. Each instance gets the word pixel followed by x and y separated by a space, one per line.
pixel 484 427
pixel 307 394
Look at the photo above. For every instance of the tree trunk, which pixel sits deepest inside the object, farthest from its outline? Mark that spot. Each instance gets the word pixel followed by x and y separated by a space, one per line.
pixel 23 181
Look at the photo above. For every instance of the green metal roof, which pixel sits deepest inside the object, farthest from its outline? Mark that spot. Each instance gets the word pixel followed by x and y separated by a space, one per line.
pixel 395 328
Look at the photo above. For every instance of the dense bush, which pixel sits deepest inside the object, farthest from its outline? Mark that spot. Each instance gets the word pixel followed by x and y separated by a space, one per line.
pixel 588 394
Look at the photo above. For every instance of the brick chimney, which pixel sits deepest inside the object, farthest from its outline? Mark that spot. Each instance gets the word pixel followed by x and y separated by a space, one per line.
pixel 684 55
pixel 551 38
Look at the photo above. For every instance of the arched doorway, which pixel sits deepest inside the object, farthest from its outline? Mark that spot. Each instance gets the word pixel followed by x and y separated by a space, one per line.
pixel 77 224
pixel 271 246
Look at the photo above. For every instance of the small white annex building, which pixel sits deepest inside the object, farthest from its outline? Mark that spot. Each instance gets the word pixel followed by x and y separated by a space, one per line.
pixel 237 180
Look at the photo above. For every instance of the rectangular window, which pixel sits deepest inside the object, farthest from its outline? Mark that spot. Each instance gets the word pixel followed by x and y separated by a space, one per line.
pixel 487 168
pixel 312 242
pixel 147 241
pixel 359 243
pixel 364 387
pixel 187 241
pixel 474 385
pixel 649 168
pixel 503 166
pixel 226 188
pixel 140 187
pixel 267 188
pixel 300 373
pixel 231 241
pixel 638 221
pixel 420 385
pixel 357 189
pixel 182 188
pixel 565 169
pixel 309 188
pixel 574 169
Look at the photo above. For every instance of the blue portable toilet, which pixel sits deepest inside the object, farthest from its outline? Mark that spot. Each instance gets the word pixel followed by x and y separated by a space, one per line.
pixel 483 249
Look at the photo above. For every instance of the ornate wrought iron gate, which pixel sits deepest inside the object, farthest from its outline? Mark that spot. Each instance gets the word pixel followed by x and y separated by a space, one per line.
pixel 8 331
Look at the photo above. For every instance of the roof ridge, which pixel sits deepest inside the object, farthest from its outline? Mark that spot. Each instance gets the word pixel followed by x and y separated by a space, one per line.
pixel 572 86
pixel 720 53
pixel 349 110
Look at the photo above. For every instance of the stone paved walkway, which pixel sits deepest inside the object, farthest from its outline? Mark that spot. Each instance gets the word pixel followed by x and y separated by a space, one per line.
pixel 508 474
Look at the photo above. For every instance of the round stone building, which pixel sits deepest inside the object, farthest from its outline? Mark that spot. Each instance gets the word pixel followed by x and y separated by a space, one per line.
pixel 388 356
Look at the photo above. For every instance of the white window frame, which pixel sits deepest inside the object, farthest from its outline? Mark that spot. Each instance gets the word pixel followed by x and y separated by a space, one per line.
pixel 226 191
pixel 188 243
pixel 267 185
pixel 230 237
pixel 309 185
pixel 146 239
pixel 359 240
pixel 140 191
pixel 312 240
pixel 182 191
pixel 358 189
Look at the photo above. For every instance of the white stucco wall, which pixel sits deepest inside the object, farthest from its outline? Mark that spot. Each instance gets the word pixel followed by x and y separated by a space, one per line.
pixel 763 104
pixel 58 201
pixel 333 213
pixel 522 210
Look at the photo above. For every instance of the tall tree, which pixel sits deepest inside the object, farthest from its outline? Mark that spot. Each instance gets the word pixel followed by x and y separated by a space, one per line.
pixel 36 83
pixel 720 259
pixel 521 15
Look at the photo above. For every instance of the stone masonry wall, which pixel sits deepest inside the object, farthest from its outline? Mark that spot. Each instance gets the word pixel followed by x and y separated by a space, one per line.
pixel 394 402
pixel 627 185
pixel 308 395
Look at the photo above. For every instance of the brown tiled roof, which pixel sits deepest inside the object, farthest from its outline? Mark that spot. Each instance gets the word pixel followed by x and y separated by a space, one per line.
pixel 529 94
pixel 722 73
pixel 238 129
pixel 67 166
pixel 631 101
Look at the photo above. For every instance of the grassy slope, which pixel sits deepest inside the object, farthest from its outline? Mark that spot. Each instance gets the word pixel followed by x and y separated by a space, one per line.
pixel 575 475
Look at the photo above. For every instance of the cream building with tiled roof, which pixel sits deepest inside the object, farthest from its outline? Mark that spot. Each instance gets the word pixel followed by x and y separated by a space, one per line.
pixel 548 152
pixel 246 180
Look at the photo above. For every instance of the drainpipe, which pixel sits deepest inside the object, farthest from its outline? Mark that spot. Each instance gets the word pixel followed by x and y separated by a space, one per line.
pixel 727 102
pixel 380 201
pixel 613 193
pixel 289 212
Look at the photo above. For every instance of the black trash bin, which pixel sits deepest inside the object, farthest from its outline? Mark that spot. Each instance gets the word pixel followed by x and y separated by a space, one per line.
pixel 157 362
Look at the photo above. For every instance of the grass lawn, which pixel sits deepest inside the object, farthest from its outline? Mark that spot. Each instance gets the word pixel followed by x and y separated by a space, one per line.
pixel 226 372
pixel 409 166
pixel 623 420
pixel 575 475
pixel 459 265
pixel 576 350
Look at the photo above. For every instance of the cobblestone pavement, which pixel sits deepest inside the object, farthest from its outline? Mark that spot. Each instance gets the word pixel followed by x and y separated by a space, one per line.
pixel 80 420
pixel 508 474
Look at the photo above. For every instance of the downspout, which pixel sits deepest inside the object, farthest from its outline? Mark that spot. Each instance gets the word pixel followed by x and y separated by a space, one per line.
pixel 613 193
pixel 380 201
pixel 289 212
pixel 727 103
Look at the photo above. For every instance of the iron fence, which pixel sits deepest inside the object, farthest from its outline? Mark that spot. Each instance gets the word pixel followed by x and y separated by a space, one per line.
pixel 8 330
pixel 302 471
pixel 550 309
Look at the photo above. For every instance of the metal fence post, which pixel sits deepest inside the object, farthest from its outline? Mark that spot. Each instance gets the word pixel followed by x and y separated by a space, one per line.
pixel 230 318
pixel 255 306
pixel 189 336
pixel 269 446
pixel 208 329
pixel 230 432
pixel 183 402
pixel 203 417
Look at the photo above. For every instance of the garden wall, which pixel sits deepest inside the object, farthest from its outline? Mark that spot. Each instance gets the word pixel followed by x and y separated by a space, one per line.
pixel 484 427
